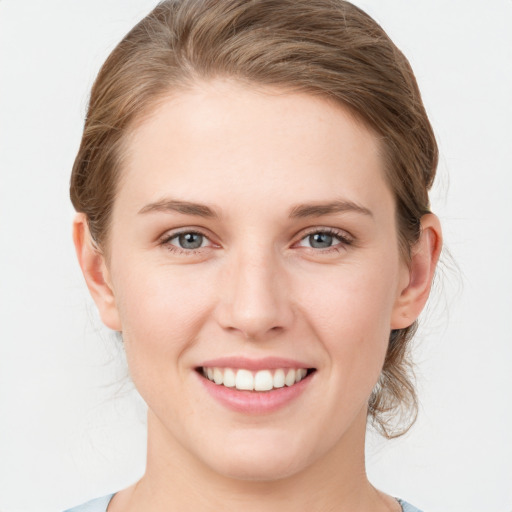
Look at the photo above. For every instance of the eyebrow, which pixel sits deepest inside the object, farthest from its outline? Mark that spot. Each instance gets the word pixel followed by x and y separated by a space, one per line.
pixel 298 211
pixel 185 207
pixel 319 209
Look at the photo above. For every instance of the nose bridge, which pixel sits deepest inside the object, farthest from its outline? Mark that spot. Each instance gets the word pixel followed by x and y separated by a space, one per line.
pixel 255 299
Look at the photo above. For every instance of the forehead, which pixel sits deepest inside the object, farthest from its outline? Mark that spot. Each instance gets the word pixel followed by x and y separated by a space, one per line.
pixel 222 140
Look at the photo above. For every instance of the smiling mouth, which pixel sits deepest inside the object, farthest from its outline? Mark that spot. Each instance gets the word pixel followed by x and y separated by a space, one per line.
pixel 262 380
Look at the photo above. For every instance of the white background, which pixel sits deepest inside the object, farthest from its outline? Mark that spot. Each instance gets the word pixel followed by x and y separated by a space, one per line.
pixel 71 430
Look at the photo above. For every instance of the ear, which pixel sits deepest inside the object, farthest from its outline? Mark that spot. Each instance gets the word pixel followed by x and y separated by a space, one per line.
pixel 424 258
pixel 94 268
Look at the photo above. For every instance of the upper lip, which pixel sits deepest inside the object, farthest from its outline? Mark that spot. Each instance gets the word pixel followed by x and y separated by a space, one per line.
pixel 266 363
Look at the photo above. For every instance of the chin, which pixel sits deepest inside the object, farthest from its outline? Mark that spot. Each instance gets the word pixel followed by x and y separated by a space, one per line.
pixel 268 470
pixel 260 460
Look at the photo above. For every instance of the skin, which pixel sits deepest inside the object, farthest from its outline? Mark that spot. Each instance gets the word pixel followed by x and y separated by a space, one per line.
pixel 256 288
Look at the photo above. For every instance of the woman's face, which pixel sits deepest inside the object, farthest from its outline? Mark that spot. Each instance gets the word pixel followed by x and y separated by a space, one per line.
pixel 254 234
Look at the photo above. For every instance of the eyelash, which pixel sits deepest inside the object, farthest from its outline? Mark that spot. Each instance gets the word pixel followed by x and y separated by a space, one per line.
pixel 344 238
pixel 166 242
pixel 344 241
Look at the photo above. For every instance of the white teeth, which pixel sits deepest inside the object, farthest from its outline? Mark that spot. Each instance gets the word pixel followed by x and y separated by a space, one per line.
pixel 229 378
pixel 289 380
pixel 218 376
pixel 244 380
pixel 262 380
pixel 300 374
pixel 279 378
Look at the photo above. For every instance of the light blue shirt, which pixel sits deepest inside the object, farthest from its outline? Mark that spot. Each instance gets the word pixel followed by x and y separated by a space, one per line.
pixel 101 504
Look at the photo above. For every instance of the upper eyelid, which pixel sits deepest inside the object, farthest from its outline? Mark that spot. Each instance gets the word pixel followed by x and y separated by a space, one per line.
pixel 173 233
pixel 342 233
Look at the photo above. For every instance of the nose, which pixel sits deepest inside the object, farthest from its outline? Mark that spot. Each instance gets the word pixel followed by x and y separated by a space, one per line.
pixel 254 296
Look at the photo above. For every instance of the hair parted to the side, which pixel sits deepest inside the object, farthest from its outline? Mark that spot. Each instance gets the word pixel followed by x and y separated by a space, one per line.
pixel 324 47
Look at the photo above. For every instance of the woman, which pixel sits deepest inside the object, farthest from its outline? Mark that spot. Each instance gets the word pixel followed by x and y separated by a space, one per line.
pixel 253 217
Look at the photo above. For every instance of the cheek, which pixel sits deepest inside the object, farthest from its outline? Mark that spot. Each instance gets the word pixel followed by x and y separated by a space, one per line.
pixel 355 298
pixel 161 308
pixel 162 311
pixel 351 315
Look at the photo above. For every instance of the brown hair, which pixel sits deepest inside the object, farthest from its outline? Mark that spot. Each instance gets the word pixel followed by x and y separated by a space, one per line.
pixel 324 47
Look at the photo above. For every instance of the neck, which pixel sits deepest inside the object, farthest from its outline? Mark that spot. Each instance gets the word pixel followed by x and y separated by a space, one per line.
pixel 176 480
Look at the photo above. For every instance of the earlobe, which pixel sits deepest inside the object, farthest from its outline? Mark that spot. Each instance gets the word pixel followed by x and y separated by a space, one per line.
pixel 424 258
pixel 95 271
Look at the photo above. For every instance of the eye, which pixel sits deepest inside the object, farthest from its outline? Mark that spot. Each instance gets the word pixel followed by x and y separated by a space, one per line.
pixel 186 241
pixel 324 239
pixel 189 240
pixel 320 240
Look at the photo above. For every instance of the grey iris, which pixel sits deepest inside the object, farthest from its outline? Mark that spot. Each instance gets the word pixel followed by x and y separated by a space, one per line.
pixel 320 240
pixel 190 240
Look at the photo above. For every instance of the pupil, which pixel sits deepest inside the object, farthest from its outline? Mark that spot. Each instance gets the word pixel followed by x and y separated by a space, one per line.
pixel 191 240
pixel 320 240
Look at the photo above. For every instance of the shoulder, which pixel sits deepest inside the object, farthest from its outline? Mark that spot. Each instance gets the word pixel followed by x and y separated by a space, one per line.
pixel 407 507
pixel 100 505
pixel 97 505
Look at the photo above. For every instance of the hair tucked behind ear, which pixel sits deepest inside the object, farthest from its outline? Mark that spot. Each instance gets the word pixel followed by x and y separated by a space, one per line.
pixel 323 47
pixel 393 405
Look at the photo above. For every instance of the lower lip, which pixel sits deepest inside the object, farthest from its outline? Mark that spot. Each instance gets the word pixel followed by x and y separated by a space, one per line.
pixel 255 402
